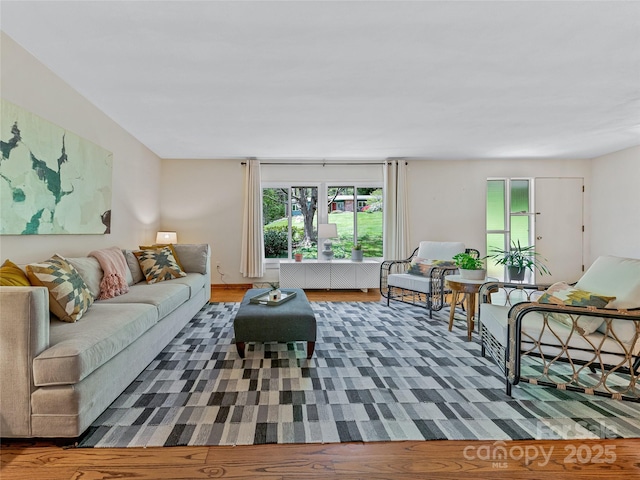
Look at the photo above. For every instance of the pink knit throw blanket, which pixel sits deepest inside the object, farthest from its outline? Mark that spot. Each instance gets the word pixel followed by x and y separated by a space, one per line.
pixel 114 266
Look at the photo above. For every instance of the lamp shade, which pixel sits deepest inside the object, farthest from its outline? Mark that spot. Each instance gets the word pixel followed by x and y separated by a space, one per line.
pixel 165 238
pixel 327 230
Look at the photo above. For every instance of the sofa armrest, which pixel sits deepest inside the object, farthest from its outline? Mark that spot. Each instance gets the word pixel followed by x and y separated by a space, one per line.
pixel 24 333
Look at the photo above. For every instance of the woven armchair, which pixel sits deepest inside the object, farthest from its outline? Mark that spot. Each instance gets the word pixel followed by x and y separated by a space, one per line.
pixel 560 346
pixel 429 291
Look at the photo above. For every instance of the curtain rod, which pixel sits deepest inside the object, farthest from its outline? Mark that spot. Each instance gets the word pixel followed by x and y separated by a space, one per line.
pixel 324 163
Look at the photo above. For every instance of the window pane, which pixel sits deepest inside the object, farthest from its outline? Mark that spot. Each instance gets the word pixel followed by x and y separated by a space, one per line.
pixel 495 204
pixel 520 230
pixel 304 229
pixel 519 196
pixel 276 222
pixel 369 221
pixel 520 205
pixel 495 240
pixel 341 212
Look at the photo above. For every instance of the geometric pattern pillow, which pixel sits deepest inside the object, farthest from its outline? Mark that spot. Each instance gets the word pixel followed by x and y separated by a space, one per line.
pixel 169 245
pixel 561 293
pixel 158 265
pixel 69 296
pixel 422 266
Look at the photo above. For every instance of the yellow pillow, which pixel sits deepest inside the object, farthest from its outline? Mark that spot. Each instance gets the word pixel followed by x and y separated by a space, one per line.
pixel 12 275
pixel 158 247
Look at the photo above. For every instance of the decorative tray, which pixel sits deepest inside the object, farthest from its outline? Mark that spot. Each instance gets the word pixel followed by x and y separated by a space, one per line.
pixel 263 298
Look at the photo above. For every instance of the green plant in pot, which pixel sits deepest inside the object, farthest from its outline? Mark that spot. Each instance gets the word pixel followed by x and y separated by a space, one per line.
pixel 470 267
pixel 518 260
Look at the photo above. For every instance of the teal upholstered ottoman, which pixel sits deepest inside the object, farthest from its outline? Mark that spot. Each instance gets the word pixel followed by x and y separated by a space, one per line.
pixel 290 321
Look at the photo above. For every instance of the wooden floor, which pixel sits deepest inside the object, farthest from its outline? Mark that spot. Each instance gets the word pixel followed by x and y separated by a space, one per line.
pixel 577 459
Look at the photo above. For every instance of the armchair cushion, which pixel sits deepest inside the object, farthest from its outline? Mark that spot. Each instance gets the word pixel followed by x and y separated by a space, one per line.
pixel 617 276
pixel 439 250
pixel 614 276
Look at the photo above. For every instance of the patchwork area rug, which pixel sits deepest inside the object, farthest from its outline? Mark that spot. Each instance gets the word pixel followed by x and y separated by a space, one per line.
pixel 378 374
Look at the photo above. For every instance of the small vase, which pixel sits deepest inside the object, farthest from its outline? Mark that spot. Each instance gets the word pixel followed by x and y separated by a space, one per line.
pixel 275 295
pixel 297 257
pixel 356 255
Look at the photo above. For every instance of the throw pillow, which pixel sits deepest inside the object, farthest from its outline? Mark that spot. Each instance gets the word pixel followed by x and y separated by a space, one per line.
pixel 11 275
pixel 158 265
pixel 157 247
pixel 193 257
pixel 422 266
pixel 135 274
pixel 69 296
pixel 90 271
pixel 561 293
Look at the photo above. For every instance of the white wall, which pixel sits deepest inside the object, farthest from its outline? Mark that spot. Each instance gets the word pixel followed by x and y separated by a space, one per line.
pixel 203 199
pixel 136 170
pixel 448 198
pixel 615 199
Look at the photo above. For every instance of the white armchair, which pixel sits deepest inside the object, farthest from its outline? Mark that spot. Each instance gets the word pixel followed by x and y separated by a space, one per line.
pixel 584 337
pixel 419 279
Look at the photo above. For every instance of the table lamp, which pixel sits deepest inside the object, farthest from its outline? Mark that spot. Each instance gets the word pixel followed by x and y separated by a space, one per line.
pixel 165 238
pixel 327 231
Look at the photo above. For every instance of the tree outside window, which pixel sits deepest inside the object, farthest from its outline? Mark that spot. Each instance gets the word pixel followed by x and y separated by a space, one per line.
pixel 291 220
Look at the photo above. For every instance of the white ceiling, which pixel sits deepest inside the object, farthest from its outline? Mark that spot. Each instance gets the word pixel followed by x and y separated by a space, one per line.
pixel 349 79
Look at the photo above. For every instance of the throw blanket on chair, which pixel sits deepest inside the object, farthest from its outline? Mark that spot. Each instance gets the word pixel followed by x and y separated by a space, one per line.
pixel 114 265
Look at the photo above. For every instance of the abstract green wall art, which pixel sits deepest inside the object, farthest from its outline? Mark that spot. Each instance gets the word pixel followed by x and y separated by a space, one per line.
pixel 51 180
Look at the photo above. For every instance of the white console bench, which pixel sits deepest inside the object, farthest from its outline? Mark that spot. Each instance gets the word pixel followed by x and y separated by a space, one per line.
pixel 331 274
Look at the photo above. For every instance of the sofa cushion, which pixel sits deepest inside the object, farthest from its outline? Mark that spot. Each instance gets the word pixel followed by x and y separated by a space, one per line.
pixel 194 282
pixel 165 296
pixel 193 257
pixel 69 296
pixel 91 272
pixel 158 265
pixel 80 348
pixel 11 275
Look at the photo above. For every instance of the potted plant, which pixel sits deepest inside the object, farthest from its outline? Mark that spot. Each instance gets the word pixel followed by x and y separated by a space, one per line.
pixel 356 253
pixel 471 268
pixel 518 260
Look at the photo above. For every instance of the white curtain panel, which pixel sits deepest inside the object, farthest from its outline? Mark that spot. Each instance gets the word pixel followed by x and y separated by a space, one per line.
pixel 396 204
pixel 252 259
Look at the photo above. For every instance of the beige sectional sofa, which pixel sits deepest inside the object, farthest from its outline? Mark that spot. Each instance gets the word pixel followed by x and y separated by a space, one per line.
pixel 56 378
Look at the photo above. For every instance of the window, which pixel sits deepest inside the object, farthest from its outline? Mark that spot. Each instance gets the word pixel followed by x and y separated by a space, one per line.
pixel 509 217
pixel 292 213
pixel 290 221
pixel 357 212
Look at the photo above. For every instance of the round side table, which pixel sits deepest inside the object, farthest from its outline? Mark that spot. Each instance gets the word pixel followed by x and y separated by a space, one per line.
pixel 470 288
